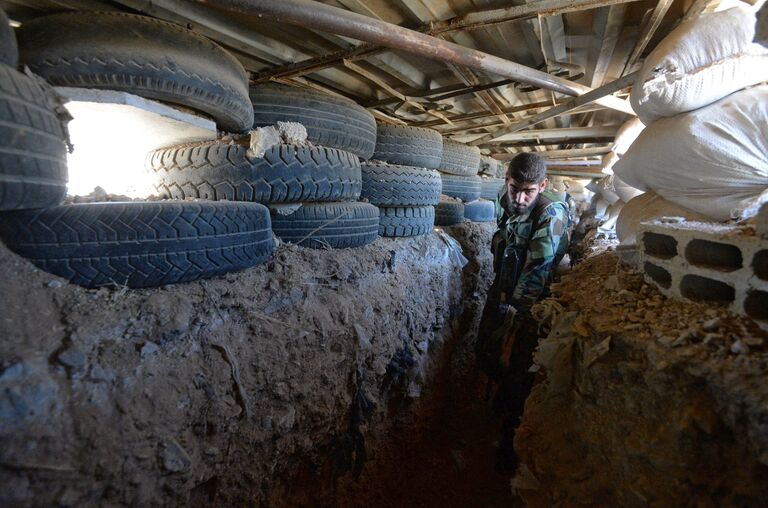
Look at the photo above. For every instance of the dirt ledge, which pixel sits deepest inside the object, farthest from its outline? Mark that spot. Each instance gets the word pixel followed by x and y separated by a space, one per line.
pixel 211 391
pixel 657 402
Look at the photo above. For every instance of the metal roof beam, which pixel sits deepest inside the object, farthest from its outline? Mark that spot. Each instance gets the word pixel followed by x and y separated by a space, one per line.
pixel 467 21
pixel 560 154
pixel 550 142
pixel 486 114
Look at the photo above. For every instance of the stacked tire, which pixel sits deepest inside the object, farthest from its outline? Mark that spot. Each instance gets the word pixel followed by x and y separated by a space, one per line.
pixel 133 244
pixel 459 169
pixel 402 180
pixel 311 189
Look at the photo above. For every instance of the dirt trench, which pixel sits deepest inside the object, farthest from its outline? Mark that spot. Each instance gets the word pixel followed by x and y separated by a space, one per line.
pixel 292 383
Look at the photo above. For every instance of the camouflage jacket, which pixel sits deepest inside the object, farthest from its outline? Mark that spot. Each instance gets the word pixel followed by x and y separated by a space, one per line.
pixel 548 244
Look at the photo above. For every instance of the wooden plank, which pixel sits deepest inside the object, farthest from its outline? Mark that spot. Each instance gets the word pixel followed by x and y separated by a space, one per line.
pixel 646 33
pixel 576 102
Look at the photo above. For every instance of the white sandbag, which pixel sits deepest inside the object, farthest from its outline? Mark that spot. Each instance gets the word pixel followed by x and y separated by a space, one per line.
pixel 625 192
pixel 700 62
pixel 575 186
pixel 608 161
pixel 626 135
pixel 647 207
pixel 713 160
pixel 604 188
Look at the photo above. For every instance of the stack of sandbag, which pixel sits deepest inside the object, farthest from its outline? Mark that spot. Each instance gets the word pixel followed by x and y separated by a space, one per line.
pixel 647 207
pixel 625 136
pixel 705 146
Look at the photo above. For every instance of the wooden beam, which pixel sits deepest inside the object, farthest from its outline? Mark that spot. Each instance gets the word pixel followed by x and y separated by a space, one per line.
pixel 614 19
pixel 444 93
pixel 387 88
pixel 469 78
pixel 646 33
pixel 576 102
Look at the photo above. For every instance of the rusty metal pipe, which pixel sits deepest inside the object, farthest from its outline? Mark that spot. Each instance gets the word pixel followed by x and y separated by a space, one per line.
pixel 318 16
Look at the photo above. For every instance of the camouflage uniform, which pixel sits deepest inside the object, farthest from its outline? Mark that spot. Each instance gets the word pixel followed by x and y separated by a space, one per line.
pixel 547 247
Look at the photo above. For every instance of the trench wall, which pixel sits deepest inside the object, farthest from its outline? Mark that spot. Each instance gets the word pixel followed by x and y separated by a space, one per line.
pixel 214 392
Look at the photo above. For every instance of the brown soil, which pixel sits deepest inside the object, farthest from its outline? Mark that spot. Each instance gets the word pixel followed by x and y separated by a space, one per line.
pixel 238 390
pixel 657 401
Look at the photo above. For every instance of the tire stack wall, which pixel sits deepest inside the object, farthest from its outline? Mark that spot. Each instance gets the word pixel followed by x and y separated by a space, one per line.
pixel 402 180
pixel 132 244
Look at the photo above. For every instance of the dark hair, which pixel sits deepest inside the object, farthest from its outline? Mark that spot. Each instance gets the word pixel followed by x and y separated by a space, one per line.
pixel 527 168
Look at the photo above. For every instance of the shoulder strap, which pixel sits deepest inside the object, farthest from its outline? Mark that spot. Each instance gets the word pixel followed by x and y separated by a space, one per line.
pixel 536 214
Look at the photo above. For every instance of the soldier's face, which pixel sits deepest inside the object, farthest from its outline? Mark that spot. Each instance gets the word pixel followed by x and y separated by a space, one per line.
pixel 521 195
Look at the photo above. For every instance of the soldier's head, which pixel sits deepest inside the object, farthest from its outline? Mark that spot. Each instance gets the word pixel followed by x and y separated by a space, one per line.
pixel 526 177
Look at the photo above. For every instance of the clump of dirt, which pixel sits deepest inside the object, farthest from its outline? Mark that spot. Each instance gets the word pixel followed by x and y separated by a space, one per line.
pixel 218 392
pixel 658 401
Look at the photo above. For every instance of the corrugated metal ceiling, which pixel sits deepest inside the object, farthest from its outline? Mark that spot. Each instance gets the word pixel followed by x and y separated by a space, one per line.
pixel 591 46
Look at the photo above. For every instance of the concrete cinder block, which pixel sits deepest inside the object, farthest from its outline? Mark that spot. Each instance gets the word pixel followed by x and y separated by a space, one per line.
pixel 717 263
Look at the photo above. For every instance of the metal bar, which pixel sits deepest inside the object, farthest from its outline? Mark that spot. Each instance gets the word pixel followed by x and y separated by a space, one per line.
pixel 486 114
pixel 576 102
pixel 495 16
pixel 563 133
pixel 557 154
pixel 485 125
pixel 558 162
pixel 447 92
pixel 649 28
pixel 550 142
pixel 385 86
pixel 323 17
pixel 574 173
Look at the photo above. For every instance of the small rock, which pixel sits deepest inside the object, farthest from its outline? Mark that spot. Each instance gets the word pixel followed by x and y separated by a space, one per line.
pixel 175 458
pixel 711 325
pixel 362 338
pixel 288 420
pixel 72 357
pixel 54 284
pixel 148 348
pixel 739 348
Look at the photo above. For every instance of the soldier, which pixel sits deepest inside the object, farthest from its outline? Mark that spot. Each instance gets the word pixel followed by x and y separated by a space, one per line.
pixel 530 242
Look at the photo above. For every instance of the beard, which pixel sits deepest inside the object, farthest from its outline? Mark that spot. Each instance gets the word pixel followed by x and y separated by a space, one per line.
pixel 516 209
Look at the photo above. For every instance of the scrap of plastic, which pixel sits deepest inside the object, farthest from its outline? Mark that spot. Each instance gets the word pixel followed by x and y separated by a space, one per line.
pixel 454 249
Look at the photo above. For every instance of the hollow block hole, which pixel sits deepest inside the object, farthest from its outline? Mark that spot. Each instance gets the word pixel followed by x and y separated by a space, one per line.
pixel 715 255
pixel 704 289
pixel 658 274
pixel 660 246
pixel 760 264
pixel 756 305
